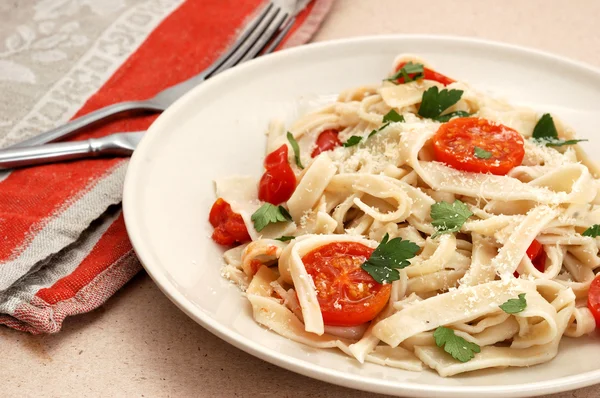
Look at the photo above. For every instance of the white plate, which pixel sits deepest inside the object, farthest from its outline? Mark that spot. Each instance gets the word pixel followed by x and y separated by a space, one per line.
pixel 217 130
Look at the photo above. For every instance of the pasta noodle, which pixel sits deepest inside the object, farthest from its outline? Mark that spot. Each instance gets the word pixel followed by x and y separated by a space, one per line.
pixel 459 281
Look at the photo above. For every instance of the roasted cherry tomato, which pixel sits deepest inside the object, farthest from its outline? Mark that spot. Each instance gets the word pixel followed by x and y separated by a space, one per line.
pixel 455 143
pixel 279 181
pixel 594 299
pixel 428 74
pixel 229 226
pixel 537 255
pixel 327 141
pixel 276 158
pixel 347 294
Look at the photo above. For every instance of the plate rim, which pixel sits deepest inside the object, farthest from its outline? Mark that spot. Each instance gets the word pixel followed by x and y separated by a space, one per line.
pixel 304 367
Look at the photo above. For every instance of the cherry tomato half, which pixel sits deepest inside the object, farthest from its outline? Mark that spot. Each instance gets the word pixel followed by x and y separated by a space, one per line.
pixel 348 295
pixel 276 158
pixel 279 181
pixel 229 226
pixel 594 299
pixel 537 255
pixel 326 141
pixel 455 143
pixel 428 74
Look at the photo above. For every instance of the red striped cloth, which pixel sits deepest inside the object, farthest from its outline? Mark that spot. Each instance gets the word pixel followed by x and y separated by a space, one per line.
pixel 64 246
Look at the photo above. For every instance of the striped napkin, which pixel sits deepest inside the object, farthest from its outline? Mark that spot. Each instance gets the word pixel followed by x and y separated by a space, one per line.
pixel 64 246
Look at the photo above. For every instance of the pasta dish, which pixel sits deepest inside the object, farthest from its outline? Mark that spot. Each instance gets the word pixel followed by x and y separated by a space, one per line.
pixel 418 223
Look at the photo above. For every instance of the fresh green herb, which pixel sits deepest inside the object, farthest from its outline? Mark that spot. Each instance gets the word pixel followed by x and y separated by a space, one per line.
pixel 390 256
pixel 354 140
pixel 545 128
pixel 285 238
pixel 514 306
pixel 482 153
pixel 408 69
pixel 460 349
pixel 447 117
pixel 268 214
pixel 390 117
pixel 296 149
pixel 562 142
pixel 434 101
pixel 449 217
pixel 545 133
pixel 592 231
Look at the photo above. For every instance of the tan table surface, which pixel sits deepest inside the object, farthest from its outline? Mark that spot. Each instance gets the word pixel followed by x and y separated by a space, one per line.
pixel 140 344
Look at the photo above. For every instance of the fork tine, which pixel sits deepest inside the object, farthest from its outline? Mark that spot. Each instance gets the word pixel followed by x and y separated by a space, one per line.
pixel 264 39
pixel 249 30
pixel 248 45
pixel 280 36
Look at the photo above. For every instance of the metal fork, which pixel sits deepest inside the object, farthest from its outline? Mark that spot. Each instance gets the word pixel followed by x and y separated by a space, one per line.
pixel 268 28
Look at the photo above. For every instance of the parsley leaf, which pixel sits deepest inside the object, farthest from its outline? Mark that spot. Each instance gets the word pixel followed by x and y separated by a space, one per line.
pixel 560 142
pixel 434 101
pixel 391 116
pixel 514 306
pixel 448 217
pixel 545 133
pixel 545 128
pixel 408 69
pixel 447 117
pixel 592 231
pixel 354 140
pixel 285 238
pixel 268 214
pixel 459 348
pixel 296 149
pixel 482 153
pixel 390 256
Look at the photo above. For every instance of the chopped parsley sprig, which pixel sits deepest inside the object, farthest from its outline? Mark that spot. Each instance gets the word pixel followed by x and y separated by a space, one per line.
pixel 296 149
pixel 448 217
pixel 285 238
pixel 592 231
pixel 448 116
pixel 416 70
pixel 545 133
pixel 460 349
pixel 514 306
pixel 481 153
pixel 354 140
pixel 269 214
pixel 434 102
pixel 390 255
pixel 390 117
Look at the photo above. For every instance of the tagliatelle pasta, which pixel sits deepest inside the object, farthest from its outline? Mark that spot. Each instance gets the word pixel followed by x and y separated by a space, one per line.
pixel 400 247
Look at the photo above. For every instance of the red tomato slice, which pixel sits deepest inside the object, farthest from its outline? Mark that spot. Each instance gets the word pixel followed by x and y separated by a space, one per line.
pixel 327 141
pixel 537 255
pixel 279 181
pixel 594 299
pixel 276 158
pixel 428 74
pixel 229 226
pixel 455 142
pixel 348 295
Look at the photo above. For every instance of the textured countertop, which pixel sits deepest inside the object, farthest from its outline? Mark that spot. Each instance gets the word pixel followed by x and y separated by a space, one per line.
pixel 140 345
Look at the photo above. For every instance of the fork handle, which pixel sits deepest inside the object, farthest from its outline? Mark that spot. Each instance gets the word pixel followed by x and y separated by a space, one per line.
pixel 60 151
pixel 75 125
